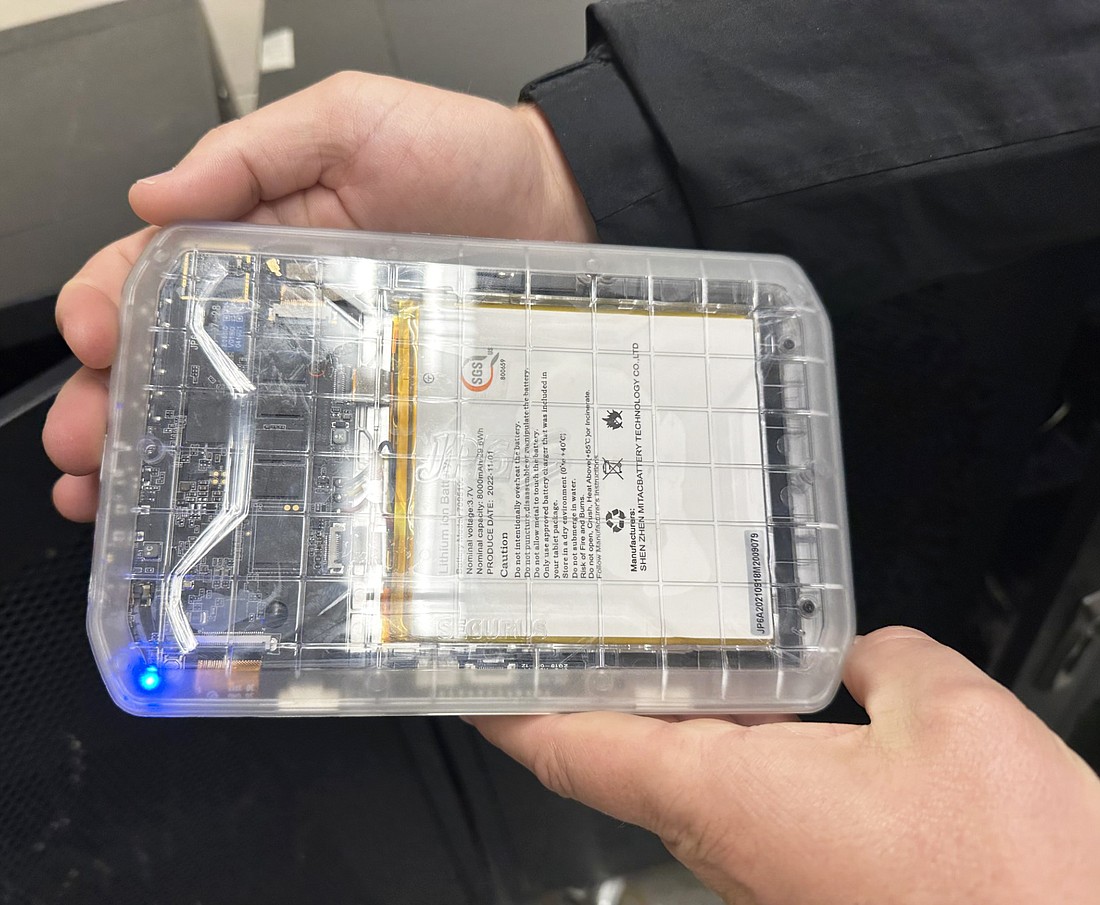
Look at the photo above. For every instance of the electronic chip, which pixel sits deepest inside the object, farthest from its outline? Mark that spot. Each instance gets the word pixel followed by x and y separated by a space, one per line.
pixel 282 423
pixel 283 481
pixel 207 418
pixel 277 544
pixel 232 325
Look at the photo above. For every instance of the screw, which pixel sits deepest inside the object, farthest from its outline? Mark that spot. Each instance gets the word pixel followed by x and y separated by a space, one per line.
pixel 807 606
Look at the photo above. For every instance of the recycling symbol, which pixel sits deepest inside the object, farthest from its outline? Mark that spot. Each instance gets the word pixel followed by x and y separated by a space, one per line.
pixel 615 520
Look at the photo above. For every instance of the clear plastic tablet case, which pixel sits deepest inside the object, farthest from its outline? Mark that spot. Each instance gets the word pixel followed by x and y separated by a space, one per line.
pixel 350 473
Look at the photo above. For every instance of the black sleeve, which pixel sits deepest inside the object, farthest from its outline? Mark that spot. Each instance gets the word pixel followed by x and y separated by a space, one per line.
pixel 882 145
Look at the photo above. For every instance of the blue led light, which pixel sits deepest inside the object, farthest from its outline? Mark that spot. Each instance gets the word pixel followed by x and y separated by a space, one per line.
pixel 150 678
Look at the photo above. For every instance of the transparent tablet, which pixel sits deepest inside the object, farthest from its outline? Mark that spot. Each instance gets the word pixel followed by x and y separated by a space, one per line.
pixel 350 473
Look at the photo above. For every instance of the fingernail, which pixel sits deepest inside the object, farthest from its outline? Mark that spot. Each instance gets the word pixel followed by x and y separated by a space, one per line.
pixel 150 180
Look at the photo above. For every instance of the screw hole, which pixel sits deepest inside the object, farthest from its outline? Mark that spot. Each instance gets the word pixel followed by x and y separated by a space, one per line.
pixel 602 682
pixel 807 606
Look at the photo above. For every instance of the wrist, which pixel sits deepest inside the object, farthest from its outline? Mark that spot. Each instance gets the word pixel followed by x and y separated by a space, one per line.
pixel 566 214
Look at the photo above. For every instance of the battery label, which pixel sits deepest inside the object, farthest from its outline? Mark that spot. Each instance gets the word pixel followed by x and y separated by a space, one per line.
pixel 584 474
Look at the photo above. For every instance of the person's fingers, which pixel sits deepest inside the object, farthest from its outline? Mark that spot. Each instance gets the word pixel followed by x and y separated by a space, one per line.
pixel 774 725
pixel 275 151
pixel 77 423
pixel 631 767
pixel 76 496
pixel 87 306
pixel 745 719
pixel 762 719
pixel 897 673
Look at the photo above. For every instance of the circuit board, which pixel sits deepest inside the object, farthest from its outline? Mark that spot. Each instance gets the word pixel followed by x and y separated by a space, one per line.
pixel 258 531
pixel 365 473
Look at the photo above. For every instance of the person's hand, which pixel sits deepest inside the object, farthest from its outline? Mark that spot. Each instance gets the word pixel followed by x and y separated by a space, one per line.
pixel 355 151
pixel 955 792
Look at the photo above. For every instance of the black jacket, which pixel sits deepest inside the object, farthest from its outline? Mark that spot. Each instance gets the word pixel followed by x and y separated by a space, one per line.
pixel 882 145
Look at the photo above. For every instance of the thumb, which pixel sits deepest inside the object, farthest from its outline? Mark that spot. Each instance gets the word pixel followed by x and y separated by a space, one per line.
pixel 275 151
pixel 899 674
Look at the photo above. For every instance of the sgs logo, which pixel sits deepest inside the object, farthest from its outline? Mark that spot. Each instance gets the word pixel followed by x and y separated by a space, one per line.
pixel 478 371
